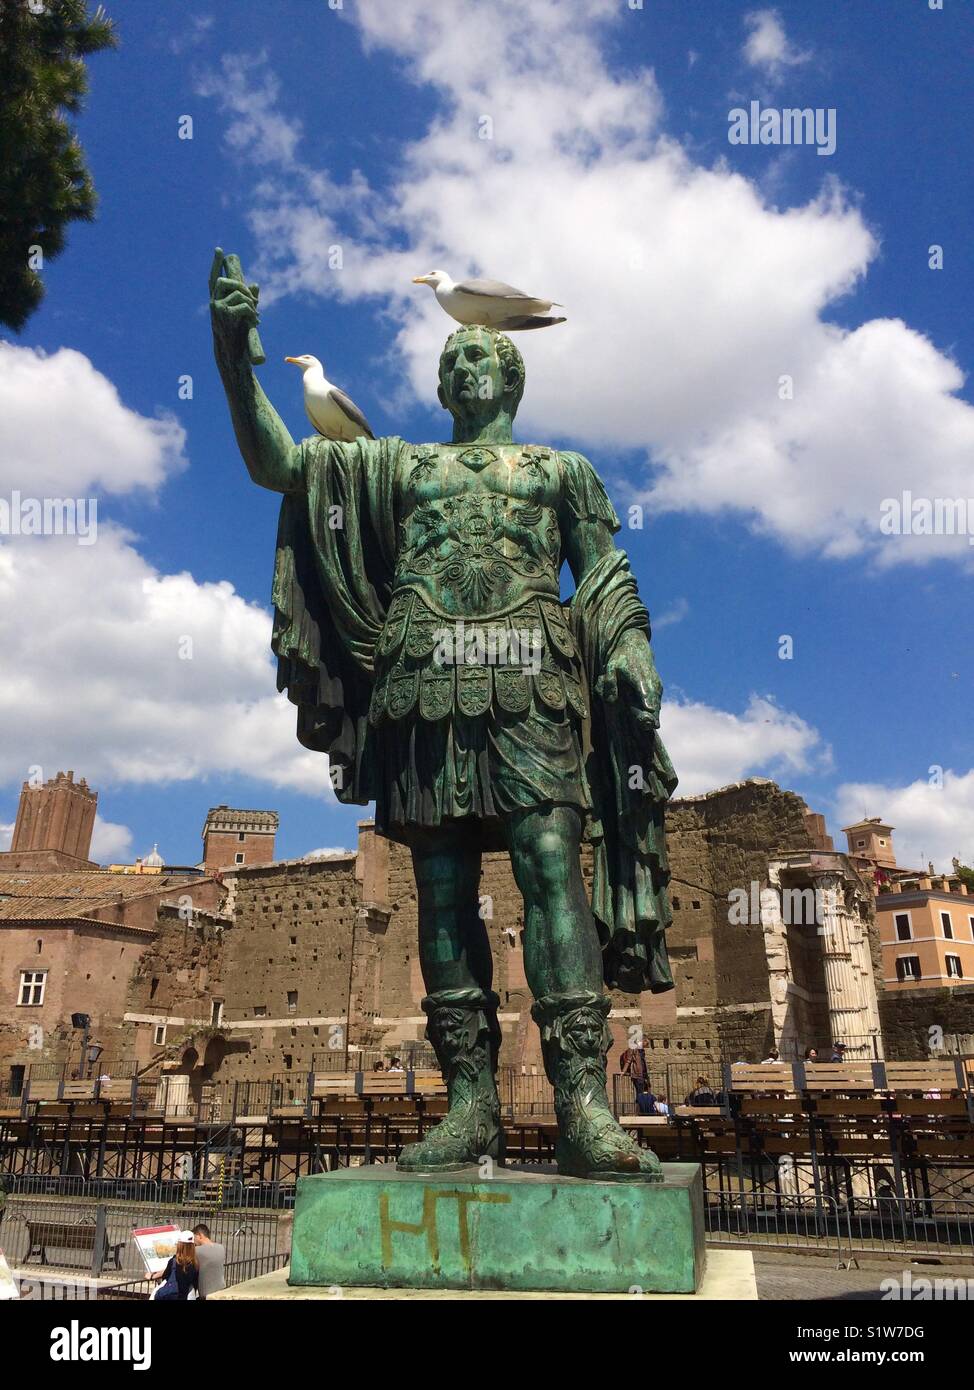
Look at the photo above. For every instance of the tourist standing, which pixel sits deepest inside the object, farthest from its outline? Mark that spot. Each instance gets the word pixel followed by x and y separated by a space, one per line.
pixel 632 1063
pixel 211 1259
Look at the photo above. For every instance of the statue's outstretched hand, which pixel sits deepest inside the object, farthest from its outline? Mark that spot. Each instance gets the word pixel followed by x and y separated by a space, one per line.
pixel 630 684
pixel 233 308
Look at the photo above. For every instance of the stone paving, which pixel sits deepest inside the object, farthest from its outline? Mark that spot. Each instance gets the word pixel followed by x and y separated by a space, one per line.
pixel 796 1277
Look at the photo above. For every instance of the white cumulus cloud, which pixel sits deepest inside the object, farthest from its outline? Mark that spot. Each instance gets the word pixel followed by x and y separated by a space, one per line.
pixel 143 676
pixel 65 431
pixel 111 843
pixel 713 747
pixel 110 664
pixel 698 311
pixel 932 818
pixel 767 46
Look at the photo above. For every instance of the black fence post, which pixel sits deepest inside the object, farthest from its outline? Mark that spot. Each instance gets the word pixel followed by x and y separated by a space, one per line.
pixel 101 1239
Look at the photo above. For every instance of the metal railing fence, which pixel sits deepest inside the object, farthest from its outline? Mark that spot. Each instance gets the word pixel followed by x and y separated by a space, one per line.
pixel 250 1235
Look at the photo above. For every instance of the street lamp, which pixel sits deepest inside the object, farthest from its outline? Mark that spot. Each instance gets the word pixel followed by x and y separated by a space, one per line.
pixel 82 1021
pixel 94 1052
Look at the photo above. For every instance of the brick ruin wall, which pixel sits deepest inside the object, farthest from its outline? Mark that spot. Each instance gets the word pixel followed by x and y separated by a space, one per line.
pixel 309 937
pixel 927 1022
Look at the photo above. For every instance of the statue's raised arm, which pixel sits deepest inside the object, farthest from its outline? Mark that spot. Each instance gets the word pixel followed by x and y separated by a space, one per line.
pixel 271 456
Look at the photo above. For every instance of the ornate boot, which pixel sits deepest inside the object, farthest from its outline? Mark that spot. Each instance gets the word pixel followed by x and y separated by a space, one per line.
pixel 466 1038
pixel 575 1040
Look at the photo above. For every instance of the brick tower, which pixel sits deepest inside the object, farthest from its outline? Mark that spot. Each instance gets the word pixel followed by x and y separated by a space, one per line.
pixel 53 827
pixel 232 837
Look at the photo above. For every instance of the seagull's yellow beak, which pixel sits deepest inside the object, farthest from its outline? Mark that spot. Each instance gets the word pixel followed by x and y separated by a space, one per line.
pixel 420 280
pixel 295 360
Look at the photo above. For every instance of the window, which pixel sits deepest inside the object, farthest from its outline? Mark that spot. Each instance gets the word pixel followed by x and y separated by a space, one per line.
pixel 159 1036
pixel 241 836
pixel 970 923
pixel 883 843
pixel 908 968
pixel 292 1001
pixel 238 858
pixel 40 945
pixel 216 1013
pixel 32 986
pixel 953 968
pixel 947 925
pixel 861 844
pixel 902 920
pixel 260 1011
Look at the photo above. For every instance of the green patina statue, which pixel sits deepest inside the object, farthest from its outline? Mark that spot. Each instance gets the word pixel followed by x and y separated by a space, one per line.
pixel 420 631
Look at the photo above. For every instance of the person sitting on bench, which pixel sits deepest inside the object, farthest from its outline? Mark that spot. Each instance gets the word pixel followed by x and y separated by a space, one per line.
pixel 702 1093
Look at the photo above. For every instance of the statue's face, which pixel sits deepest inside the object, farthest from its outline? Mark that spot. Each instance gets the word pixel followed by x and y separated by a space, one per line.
pixel 471 375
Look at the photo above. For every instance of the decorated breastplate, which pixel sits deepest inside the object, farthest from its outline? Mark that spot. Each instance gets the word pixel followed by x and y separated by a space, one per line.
pixel 479 528
pixel 476 622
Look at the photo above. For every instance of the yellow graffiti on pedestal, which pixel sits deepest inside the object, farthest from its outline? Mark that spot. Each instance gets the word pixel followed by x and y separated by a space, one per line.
pixel 427 1226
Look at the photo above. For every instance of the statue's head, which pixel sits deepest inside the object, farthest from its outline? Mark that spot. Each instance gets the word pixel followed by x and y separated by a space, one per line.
pixel 481 375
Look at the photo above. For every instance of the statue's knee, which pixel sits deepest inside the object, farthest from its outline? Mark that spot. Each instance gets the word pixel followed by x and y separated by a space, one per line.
pixel 548 865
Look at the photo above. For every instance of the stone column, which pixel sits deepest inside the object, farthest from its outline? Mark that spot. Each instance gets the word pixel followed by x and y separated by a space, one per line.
pixel 843 948
pixel 365 975
pixel 779 965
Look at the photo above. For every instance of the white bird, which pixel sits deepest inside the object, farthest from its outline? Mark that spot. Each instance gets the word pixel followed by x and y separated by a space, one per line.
pixel 332 413
pixel 490 303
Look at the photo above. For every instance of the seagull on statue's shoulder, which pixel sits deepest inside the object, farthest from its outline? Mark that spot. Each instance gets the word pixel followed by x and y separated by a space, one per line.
pixel 332 413
pixel 490 303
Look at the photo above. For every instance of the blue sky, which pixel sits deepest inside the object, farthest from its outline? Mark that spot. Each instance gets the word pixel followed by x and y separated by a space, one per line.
pixel 695 272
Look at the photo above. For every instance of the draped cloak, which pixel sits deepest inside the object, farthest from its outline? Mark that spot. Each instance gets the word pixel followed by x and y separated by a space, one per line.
pixel 333 577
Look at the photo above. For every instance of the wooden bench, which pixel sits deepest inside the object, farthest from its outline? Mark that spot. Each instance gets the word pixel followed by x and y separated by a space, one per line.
pixel 772 1076
pixel 62 1235
pixel 839 1076
pixel 428 1083
pixel 43 1090
pixel 946 1076
pixel 529 1140
pixel 83 1090
pixel 383 1084
pixel 328 1084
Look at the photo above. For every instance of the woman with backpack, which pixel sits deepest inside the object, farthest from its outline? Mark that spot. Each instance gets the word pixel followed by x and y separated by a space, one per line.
pixel 181 1276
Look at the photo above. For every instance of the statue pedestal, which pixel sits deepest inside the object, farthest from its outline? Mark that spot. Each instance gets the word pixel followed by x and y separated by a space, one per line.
pixel 515 1231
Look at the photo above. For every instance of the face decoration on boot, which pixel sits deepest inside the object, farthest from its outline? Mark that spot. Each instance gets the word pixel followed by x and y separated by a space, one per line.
pixel 584 1033
pixel 575 1038
pixel 461 1027
pixel 582 1039
pixel 453 1033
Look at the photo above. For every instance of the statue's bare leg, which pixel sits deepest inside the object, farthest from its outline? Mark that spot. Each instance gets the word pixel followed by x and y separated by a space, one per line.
pixel 561 943
pixel 563 964
pixel 454 948
pixel 457 968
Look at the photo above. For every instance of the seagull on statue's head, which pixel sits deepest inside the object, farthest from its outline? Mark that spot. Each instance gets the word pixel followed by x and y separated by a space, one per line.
pixel 332 413
pixel 490 303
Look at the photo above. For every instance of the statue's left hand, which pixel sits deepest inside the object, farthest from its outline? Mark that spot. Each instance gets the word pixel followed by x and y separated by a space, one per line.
pixel 631 683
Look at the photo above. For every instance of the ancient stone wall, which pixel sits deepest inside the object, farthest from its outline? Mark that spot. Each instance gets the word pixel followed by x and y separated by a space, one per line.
pixel 317 955
pixel 923 1022
pixel 720 843
pixel 288 963
pixel 174 985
